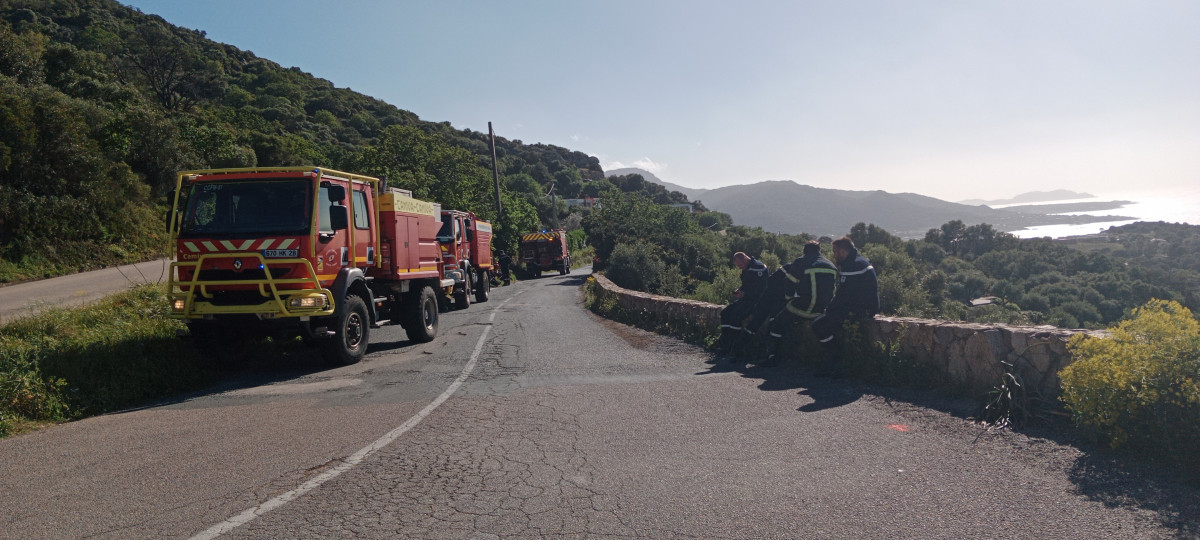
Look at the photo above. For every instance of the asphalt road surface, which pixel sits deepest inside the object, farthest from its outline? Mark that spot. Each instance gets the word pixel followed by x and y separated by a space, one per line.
pixel 529 417
pixel 31 297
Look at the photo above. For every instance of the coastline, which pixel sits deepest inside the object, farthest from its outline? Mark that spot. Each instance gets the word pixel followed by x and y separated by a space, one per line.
pixel 1175 207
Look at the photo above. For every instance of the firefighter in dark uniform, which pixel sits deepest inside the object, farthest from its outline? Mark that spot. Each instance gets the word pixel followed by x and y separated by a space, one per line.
pixel 811 280
pixel 857 296
pixel 505 263
pixel 754 281
pixel 775 295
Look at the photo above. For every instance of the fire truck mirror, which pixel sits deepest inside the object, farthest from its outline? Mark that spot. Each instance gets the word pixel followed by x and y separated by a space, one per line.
pixel 470 235
pixel 336 192
pixel 339 219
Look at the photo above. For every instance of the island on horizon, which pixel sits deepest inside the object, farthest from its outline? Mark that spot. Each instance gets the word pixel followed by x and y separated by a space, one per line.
pixel 1033 197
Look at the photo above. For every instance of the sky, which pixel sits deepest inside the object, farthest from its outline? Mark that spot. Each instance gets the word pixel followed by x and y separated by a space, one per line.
pixel 951 99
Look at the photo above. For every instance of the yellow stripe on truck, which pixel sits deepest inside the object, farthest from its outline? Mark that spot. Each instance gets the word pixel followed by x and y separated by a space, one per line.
pixel 390 202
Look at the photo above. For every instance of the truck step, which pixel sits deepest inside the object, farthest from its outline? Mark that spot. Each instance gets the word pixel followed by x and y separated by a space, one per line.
pixel 377 324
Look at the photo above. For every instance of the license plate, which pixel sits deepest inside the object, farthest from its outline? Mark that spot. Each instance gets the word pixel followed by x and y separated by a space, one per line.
pixel 281 253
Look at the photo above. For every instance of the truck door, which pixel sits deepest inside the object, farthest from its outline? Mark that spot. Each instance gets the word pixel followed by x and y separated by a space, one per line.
pixel 464 240
pixel 362 218
pixel 332 248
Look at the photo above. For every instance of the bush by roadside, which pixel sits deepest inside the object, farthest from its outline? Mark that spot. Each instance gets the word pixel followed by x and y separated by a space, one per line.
pixel 1139 390
pixel 66 364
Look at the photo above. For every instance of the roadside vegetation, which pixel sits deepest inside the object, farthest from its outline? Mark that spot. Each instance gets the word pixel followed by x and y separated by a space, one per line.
pixel 66 364
pixel 956 272
pixel 1139 390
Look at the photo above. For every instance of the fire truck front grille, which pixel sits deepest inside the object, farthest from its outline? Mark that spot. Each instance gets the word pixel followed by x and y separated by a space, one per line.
pixel 249 273
pixel 237 298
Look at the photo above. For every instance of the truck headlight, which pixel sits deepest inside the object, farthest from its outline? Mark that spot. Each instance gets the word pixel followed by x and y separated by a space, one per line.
pixel 307 302
pixel 179 304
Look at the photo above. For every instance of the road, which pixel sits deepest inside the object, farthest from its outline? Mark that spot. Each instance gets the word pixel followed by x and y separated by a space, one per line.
pixel 28 298
pixel 529 417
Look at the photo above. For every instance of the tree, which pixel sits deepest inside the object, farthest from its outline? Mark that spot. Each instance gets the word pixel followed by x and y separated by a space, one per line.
pixel 176 74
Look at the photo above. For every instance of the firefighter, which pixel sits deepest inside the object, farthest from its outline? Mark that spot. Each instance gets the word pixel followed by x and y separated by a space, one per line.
pixel 811 279
pixel 505 263
pixel 857 296
pixel 775 295
pixel 754 281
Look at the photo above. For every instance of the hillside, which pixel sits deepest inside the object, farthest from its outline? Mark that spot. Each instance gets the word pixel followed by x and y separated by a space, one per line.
pixel 101 105
pixel 783 206
pixel 693 194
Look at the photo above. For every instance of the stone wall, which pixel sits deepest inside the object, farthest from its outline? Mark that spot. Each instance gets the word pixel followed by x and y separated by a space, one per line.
pixel 971 355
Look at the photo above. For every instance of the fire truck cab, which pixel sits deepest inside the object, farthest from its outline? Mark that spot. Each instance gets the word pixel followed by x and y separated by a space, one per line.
pixel 466 248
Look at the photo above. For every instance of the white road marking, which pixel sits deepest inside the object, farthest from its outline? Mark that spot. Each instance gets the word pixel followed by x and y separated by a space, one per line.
pixel 349 463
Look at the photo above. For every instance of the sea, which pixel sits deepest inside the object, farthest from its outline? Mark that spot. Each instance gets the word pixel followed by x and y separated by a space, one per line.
pixel 1176 206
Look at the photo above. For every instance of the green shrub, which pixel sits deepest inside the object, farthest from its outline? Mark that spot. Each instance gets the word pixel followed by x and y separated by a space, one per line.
pixel 65 364
pixel 720 290
pixel 636 266
pixel 1140 388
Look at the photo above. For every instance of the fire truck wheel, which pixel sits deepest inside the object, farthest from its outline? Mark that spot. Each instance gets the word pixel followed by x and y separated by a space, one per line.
pixel 462 293
pixel 568 264
pixel 349 343
pixel 483 287
pixel 423 324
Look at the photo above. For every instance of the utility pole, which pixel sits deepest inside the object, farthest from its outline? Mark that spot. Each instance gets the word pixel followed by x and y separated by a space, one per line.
pixel 554 203
pixel 495 173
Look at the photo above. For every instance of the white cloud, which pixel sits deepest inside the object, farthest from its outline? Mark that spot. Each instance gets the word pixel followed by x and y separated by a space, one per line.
pixel 647 164
pixel 575 137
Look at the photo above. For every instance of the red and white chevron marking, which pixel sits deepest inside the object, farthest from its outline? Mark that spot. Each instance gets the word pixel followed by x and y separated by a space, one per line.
pixel 214 246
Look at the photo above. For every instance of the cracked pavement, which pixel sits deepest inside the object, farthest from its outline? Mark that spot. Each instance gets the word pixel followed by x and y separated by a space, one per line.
pixel 569 426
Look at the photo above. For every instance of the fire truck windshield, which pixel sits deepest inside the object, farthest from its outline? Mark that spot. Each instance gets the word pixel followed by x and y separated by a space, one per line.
pixel 248 207
pixel 449 230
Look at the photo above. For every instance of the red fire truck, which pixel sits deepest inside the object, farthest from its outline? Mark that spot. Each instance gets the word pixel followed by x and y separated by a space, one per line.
pixel 314 252
pixel 545 250
pixel 466 244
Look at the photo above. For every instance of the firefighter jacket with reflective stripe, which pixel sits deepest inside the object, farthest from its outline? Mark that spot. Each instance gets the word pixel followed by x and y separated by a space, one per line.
pixel 813 279
pixel 754 280
pixel 857 291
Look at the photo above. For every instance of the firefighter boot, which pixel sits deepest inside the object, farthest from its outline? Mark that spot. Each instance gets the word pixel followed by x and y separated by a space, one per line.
pixel 743 338
pixel 727 344
pixel 772 351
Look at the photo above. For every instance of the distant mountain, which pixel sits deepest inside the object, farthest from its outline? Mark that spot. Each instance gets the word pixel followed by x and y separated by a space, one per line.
pixel 1033 197
pixel 783 206
pixel 692 193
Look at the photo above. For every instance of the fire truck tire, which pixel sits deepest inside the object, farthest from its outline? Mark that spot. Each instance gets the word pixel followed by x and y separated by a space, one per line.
pixel 462 293
pixel 563 266
pixel 568 264
pixel 483 287
pixel 422 321
pixel 348 345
